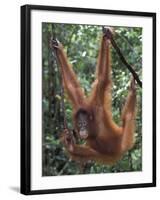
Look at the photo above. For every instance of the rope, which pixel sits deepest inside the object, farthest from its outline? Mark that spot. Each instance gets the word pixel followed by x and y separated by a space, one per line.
pixel 62 105
pixel 109 35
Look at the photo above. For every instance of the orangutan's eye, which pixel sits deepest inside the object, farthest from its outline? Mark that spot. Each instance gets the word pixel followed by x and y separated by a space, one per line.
pixel 84 123
pixel 79 124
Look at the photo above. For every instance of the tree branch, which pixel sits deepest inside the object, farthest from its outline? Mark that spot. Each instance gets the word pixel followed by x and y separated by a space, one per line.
pixel 109 35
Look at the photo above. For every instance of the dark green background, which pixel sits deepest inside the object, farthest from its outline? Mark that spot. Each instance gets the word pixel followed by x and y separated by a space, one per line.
pixel 81 43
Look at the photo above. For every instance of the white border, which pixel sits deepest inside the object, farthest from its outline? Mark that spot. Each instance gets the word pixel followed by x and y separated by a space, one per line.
pixel 42 183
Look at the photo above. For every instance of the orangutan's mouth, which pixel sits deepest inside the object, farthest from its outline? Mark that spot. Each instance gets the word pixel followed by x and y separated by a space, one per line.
pixel 83 134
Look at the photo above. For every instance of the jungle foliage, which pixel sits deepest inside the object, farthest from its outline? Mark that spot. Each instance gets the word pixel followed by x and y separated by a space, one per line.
pixel 81 43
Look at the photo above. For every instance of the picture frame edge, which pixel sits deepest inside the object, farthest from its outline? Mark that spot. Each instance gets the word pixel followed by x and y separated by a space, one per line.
pixel 25 144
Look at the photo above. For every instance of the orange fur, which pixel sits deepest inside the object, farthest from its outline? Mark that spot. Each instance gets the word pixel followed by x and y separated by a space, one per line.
pixel 106 142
